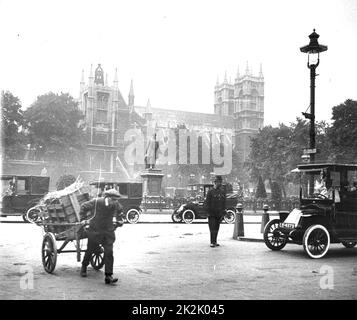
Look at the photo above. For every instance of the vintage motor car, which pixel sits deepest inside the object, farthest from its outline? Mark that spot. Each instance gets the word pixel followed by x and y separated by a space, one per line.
pixel 195 209
pixel 131 196
pixel 21 192
pixel 327 212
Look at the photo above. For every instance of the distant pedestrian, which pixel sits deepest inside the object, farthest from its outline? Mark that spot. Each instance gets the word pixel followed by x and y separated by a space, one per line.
pixel 101 230
pixel 215 204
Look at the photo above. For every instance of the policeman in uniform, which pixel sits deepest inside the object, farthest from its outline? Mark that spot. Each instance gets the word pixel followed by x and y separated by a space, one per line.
pixel 101 229
pixel 215 203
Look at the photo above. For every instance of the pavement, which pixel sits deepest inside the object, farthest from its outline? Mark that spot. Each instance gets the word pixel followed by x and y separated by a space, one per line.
pixel 157 259
pixel 252 222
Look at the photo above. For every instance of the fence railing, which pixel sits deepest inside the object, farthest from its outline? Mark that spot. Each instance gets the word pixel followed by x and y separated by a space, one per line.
pixel 164 203
pixel 257 204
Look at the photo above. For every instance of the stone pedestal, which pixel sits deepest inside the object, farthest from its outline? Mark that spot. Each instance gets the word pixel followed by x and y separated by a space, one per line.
pixel 152 181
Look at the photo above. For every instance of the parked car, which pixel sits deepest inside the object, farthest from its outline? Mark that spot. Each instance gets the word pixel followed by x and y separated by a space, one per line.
pixel 131 196
pixel 195 209
pixel 21 192
pixel 327 212
pixel 180 197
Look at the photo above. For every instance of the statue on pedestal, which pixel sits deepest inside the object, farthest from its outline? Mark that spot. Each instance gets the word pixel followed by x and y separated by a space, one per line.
pixel 151 153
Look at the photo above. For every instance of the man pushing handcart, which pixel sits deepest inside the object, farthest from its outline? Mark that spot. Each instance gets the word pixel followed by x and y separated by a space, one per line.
pixel 69 216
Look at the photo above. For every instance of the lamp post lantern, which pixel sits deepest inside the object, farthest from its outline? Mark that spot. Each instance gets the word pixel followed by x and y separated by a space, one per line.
pixel 313 50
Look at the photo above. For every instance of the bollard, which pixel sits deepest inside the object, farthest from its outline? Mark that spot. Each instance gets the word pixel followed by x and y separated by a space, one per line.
pixel 265 218
pixel 239 223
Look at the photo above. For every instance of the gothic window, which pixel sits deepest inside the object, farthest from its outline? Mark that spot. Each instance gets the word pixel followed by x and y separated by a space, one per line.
pixel 100 138
pixel 254 101
pixel 85 103
pixel 101 116
pixel 231 109
pixel 102 101
pixel 254 124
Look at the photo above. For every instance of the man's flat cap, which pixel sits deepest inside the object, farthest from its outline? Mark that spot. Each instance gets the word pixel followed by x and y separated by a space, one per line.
pixel 112 193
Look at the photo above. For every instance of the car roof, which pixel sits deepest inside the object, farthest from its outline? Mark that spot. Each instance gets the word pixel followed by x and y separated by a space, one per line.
pixel 21 176
pixel 114 182
pixel 310 167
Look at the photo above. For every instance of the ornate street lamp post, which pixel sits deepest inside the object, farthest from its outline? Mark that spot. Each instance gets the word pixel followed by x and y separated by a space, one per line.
pixel 313 50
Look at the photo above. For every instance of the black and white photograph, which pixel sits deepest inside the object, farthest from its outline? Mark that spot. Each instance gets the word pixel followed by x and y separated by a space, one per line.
pixel 187 152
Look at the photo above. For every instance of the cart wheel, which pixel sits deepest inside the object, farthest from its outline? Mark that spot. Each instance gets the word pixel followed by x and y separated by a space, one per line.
pixel 176 217
pixel 230 216
pixel 97 258
pixel 49 252
pixel 273 238
pixel 132 216
pixel 349 244
pixel 316 241
pixel 188 216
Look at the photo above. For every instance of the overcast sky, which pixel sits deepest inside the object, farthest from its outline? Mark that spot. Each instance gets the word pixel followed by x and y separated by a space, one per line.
pixel 174 50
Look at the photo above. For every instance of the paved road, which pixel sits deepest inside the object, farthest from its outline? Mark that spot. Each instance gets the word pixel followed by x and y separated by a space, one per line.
pixel 174 261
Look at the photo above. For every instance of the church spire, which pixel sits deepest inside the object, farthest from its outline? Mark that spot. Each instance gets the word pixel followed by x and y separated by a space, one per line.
pixel 247 69
pixel 225 77
pixel 148 111
pixel 261 71
pixel 131 96
pixel 148 107
pixel 238 73
pixel 91 76
pixel 116 78
pixel 82 78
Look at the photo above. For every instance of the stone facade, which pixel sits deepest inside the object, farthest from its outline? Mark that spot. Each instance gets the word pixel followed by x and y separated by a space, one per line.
pixel 242 100
pixel 238 111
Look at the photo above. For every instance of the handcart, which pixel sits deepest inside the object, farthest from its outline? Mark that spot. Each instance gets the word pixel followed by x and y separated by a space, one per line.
pixel 62 224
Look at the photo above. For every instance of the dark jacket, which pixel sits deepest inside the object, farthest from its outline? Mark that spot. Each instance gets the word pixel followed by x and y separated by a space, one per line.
pixel 103 214
pixel 215 202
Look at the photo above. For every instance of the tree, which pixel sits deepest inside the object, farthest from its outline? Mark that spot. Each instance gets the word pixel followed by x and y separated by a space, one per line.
pixel 260 192
pixel 54 127
pixel 275 192
pixel 12 126
pixel 276 151
pixel 343 132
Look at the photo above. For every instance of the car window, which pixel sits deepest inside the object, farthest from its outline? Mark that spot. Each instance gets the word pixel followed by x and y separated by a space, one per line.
pixel 352 179
pixel 7 186
pixel 336 178
pixel 22 186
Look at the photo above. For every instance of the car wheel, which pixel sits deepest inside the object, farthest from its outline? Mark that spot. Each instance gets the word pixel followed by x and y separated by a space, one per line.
pixel 230 216
pixel 188 216
pixel 316 241
pixel 274 239
pixel 349 244
pixel 176 217
pixel 132 216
